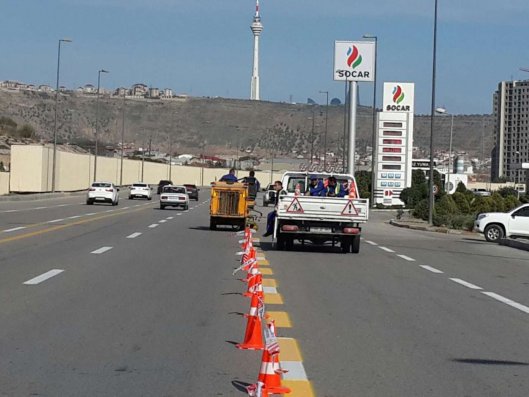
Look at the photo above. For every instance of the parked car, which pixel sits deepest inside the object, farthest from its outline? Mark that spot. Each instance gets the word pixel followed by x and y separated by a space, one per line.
pixel 269 196
pixel 174 196
pixel 140 190
pixel 105 192
pixel 498 225
pixel 481 192
pixel 192 191
pixel 163 183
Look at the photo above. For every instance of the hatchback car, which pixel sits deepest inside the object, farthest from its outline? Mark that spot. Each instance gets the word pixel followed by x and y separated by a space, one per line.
pixel 269 196
pixel 140 190
pixel 192 191
pixel 105 192
pixel 162 183
pixel 174 196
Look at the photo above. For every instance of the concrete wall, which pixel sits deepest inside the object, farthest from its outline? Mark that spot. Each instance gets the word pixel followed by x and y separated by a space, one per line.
pixel 4 183
pixel 31 171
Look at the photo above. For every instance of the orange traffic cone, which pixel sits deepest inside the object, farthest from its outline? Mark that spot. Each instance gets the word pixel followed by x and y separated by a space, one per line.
pixel 253 336
pixel 255 286
pixel 257 390
pixel 270 373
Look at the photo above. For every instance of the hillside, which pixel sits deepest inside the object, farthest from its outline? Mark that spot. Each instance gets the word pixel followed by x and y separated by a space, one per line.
pixel 218 125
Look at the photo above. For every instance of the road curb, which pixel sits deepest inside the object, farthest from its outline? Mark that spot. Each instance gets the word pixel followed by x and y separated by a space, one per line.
pixel 433 229
pixel 39 196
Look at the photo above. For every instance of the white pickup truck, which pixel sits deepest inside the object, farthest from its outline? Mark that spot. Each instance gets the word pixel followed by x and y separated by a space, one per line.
pixel 498 225
pixel 318 219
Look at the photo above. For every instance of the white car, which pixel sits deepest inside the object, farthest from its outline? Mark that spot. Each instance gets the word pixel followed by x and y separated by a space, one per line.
pixel 498 225
pixel 140 190
pixel 105 192
pixel 174 196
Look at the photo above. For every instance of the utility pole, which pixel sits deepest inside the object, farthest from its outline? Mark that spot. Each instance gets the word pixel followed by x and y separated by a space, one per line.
pixel 122 137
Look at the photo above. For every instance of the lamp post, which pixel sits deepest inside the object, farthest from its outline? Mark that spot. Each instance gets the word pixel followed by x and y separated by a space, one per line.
pixel 432 114
pixel 443 111
pixel 374 138
pixel 122 137
pixel 325 135
pixel 56 106
pixel 97 119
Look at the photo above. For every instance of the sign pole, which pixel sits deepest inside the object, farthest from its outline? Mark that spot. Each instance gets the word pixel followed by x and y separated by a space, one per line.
pixel 353 89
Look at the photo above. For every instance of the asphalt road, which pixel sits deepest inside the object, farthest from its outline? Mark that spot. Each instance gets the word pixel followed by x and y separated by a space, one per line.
pixel 135 306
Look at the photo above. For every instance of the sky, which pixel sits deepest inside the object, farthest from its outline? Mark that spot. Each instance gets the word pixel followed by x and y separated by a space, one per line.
pixel 205 47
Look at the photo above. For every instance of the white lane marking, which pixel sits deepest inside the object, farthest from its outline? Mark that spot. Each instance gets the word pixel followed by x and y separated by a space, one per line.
pixel 465 283
pixel 153 225
pixel 62 205
pixel 178 214
pixel 137 205
pixel 74 217
pixel 386 249
pixel 295 369
pixel 431 269
pixel 406 258
pixel 90 213
pixel 43 277
pixel 169 217
pixel 507 301
pixel 10 211
pixel 56 220
pixel 125 208
pixel 101 250
pixel 371 242
pixel 14 229
pixel 108 210
pixel 162 221
pixel 134 235
pixel 40 208
pixel 270 290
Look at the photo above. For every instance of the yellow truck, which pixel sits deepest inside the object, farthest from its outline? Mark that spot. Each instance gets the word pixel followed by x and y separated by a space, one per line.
pixel 230 205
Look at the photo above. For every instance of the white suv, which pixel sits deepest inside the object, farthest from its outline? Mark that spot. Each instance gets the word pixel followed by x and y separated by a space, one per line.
pixel 141 190
pixel 498 225
pixel 105 192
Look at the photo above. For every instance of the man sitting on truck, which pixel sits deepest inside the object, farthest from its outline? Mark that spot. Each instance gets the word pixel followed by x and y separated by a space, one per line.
pixel 271 218
pixel 316 187
pixel 230 177
pixel 253 184
pixel 333 188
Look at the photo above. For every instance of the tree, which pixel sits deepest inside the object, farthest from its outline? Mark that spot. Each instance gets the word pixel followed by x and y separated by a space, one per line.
pixel 26 131
pixel 461 188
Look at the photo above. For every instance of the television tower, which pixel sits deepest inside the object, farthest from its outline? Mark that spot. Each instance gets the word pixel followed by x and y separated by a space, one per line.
pixel 257 28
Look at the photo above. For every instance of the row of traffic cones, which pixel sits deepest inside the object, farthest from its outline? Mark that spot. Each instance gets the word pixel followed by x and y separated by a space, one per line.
pixel 269 379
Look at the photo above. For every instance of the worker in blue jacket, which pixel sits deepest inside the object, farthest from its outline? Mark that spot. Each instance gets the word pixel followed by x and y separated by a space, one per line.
pixel 316 187
pixel 230 177
pixel 333 188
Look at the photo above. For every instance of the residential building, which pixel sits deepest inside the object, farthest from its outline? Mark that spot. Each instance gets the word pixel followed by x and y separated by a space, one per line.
pixel 139 90
pixel 511 113
pixel 154 92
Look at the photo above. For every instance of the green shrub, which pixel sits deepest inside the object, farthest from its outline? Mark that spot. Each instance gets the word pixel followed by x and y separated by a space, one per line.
pixel 461 188
pixel 508 191
pixel 481 204
pixel 421 210
pixel 462 222
pixel 446 207
pixel 497 202
pixel 510 202
pixel 441 220
pixel 462 202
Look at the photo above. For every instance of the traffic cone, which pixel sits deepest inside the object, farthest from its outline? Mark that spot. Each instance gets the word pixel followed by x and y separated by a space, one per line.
pixel 255 286
pixel 253 336
pixel 257 390
pixel 270 372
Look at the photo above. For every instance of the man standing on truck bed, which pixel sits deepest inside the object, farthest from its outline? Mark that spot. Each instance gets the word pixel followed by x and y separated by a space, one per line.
pixel 271 218
pixel 253 184
pixel 229 177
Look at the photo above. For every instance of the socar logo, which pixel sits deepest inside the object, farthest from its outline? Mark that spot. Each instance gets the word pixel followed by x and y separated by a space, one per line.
pixel 353 57
pixel 398 94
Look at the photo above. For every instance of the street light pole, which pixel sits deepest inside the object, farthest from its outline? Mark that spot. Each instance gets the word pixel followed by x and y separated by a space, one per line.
pixel 374 137
pixel 450 152
pixel 97 120
pixel 53 171
pixel 325 135
pixel 122 138
pixel 312 137
pixel 432 114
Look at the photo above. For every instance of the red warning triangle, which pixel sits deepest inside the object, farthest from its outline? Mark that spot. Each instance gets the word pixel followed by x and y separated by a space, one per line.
pixel 295 206
pixel 350 209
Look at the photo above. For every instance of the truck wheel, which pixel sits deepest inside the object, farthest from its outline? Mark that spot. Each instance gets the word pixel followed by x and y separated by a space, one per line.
pixel 280 243
pixel 212 225
pixel 355 246
pixel 346 245
pixel 493 233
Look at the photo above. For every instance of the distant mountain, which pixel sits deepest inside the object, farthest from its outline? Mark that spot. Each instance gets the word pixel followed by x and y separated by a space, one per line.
pixel 218 125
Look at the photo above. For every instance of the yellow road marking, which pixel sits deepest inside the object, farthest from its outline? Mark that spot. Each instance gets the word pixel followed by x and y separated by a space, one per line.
pixel 282 320
pixel 60 227
pixel 263 262
pixel 299 388
pixel 269 282
pixel 264 272
pixel 289 349
pixel 273 299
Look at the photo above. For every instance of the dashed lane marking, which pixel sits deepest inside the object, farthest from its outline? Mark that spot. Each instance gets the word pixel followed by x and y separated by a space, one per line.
pixel 74 217
pixel 263 262
pixel 273 299
pixel 266 272
pixel 465 283
pixel 43 277
pixel 281 319
pixel 269 282
pixel 507 301
pixel 56 220
pixel 269 290
pixel 134 235
pixel 386 249
pixel 101 250
pixel 162 221
pixel 153 225
pixel 169 217
pixel 406 258
pixel 431 269
pixel 371 242
pixel 14 229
